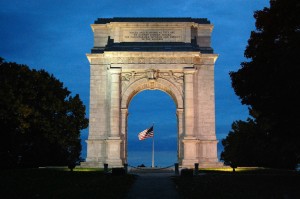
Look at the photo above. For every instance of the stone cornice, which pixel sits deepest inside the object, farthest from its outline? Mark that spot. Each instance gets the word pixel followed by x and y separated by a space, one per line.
pixel 152 58
pixel 152 19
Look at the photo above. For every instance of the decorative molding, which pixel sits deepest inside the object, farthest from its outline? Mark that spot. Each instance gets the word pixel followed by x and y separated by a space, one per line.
pixel 146 60
pixel 152 74
pixel 175 78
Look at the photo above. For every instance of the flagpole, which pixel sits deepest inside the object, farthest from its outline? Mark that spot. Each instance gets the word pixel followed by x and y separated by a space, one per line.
pixel 153 148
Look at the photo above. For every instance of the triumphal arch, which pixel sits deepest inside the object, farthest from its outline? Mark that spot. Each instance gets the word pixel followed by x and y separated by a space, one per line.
pixel 173 55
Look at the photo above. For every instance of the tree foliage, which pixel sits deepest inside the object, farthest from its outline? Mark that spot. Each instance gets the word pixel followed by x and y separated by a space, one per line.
pixel 269 84
pixel 40 121
pixel 238 145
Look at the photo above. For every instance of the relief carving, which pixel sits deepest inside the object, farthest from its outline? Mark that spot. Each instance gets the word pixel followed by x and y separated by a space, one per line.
pixel 130 60
pixel 152 74
pixel 128 76
pixel 173 61
pixel 152 61
pixel 177 77
pixel 141 60
pixel 120 60
pixel 162 60
pixel 182 60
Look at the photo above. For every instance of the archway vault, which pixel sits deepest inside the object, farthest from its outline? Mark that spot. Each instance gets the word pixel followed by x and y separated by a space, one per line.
pixel 175 91
pixel 135 54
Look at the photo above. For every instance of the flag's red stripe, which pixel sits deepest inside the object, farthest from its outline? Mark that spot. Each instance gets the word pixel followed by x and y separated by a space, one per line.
pixel 145 134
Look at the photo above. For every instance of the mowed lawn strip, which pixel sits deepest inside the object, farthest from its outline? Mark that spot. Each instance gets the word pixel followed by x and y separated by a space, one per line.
pixel 59 183
pixel 246 185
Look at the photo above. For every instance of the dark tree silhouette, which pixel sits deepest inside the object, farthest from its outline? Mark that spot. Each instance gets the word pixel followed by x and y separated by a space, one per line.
pixel 268 82
pixel 40 121
pixel 244 145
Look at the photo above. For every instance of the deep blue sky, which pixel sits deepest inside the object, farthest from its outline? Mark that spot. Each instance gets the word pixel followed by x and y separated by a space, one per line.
pixel 55 35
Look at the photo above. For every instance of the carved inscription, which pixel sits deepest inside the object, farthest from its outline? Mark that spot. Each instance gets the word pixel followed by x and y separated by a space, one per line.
pixel 152 35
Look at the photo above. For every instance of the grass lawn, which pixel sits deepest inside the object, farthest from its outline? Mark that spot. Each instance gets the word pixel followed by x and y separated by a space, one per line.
pixel 60 183
pixel 251 184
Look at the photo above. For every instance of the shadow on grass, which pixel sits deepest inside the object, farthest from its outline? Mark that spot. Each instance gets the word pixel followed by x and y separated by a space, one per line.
pixel 261 183
pixel 62 183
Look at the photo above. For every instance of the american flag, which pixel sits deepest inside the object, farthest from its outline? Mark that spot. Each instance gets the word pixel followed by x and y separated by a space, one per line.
pixel 147 133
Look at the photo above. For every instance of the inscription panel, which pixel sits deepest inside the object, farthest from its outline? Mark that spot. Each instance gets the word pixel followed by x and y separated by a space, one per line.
pixel 152 35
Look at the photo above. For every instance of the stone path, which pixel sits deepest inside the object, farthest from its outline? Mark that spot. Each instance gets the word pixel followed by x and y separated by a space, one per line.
pixel 153 186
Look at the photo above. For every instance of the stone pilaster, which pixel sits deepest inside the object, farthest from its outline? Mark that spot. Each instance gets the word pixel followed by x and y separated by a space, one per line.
pixel 205 121
pixel 180 126
pixel 113 143
pixel 189 102
pixel 98 128
pixel 115 103
pixel 124 115
pixel 98 124
pixel 189 140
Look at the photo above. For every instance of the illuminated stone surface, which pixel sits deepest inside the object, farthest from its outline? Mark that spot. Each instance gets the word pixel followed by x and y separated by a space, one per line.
pixel 135 54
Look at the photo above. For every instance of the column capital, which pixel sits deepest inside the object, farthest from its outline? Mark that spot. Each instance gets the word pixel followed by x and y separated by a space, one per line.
pixel 124 110
pixel 114 139
pixel 179 111
pixel 189 71
pixel 115 71
pixel 190 138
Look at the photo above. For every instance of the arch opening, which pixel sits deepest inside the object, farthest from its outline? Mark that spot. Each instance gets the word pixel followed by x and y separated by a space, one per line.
pixel 145 108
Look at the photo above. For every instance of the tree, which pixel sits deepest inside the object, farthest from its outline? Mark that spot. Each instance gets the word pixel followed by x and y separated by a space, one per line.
pixel 40 121
pixel 239 145
pixel 268 82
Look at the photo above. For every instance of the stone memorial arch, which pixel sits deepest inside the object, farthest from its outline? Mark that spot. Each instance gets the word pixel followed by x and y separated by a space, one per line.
pixel 173 55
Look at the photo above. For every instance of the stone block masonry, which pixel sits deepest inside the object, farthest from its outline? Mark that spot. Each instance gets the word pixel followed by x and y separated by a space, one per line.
pixel 168 54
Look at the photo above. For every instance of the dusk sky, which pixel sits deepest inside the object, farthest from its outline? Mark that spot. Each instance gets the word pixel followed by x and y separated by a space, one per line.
pixel 55 35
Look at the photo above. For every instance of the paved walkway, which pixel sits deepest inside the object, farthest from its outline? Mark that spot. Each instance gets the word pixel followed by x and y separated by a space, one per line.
pixel 153 186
